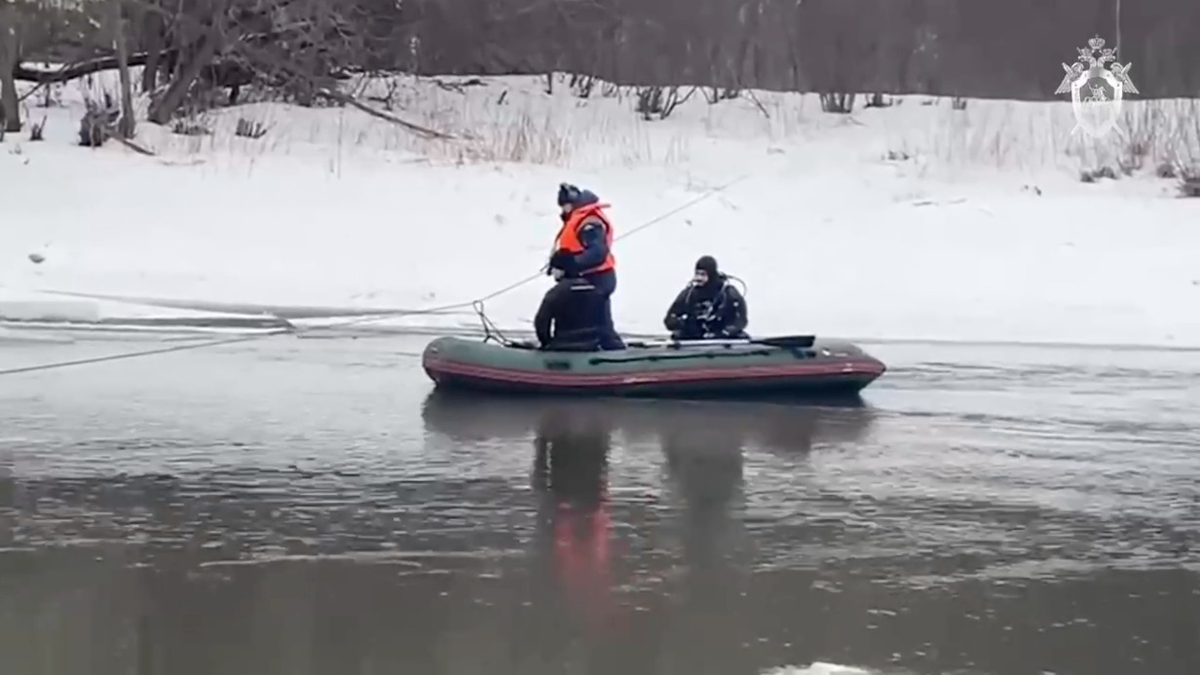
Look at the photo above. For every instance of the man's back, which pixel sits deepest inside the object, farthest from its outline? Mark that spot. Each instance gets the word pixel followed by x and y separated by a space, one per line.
pixel 571 317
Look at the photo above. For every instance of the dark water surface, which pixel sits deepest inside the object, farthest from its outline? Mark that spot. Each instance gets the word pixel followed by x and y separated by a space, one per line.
pixel 299 507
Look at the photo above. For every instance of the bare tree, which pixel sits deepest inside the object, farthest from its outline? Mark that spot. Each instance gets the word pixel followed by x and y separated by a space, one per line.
pixel 152 34
pixel 10 52
pixel 128 124
pixel 299 49
pixel 194 48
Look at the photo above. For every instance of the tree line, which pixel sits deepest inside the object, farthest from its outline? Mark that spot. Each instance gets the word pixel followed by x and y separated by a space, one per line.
pixel 1010 49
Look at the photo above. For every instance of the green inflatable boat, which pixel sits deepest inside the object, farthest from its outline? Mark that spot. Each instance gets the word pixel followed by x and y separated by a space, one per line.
pixel 785 366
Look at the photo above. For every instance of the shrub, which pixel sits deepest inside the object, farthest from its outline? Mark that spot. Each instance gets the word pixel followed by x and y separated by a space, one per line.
pixel 37 130
pixel 249 129
pixel 660 102
pixel 98 120
pixel 838 102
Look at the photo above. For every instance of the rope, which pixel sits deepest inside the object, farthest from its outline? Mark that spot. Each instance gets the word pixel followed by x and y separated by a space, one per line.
pixel 476 304
pixel 145 352
pixel 519 283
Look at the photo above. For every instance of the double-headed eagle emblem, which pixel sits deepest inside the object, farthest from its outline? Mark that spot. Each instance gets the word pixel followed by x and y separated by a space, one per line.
pixel 1087 62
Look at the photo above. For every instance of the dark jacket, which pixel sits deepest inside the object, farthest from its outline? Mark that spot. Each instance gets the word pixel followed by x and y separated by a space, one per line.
pixel 717 309
pixel 595 244
pixel 591 235
pixel 571 317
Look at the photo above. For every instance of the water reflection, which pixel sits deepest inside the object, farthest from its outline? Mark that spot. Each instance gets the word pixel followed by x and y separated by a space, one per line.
pixel 696 520
pixel 589 537
pixel 570 476
pixel 705 473
pixel 778 427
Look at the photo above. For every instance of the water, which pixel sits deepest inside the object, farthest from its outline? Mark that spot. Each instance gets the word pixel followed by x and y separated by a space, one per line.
pixel 306 506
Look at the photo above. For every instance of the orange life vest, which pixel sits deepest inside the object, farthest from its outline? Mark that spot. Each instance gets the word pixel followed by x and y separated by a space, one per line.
pixel 568 236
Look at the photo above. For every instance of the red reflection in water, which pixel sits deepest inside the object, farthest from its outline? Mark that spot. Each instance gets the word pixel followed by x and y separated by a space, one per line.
pixel 583 561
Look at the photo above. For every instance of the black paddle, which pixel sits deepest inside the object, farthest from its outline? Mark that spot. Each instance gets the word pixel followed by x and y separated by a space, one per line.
pixel 787 341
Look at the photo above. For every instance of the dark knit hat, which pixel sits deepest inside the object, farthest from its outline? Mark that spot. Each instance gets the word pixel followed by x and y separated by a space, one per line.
pixel 575 196
pixel 567 194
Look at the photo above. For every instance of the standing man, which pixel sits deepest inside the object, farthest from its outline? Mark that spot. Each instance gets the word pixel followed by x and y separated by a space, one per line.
pixel 588 236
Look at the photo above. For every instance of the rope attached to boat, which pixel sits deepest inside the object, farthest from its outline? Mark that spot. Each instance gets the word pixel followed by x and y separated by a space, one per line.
pixel 491 332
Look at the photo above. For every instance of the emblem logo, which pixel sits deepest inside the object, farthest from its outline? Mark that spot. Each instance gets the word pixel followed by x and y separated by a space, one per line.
pixel 1097 88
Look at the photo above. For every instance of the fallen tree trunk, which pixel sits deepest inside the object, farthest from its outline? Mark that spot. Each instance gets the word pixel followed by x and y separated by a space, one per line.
pixel 77 70
pixel 80 69
pixel 129 143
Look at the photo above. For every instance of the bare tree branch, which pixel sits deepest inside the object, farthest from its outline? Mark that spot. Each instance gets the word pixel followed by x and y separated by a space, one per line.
pixel 317 18
pixel 351 101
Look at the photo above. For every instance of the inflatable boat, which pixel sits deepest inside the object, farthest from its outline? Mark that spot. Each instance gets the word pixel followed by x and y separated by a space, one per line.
pixel 783 366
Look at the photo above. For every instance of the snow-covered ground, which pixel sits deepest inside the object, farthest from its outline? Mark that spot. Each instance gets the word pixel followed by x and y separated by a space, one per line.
pixel 912 221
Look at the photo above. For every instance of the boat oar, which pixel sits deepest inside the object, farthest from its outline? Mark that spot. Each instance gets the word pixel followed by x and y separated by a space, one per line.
pixel 787 341
pixel 782 341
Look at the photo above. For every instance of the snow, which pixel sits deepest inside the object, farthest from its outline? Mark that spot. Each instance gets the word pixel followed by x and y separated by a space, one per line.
pixel 909 222
pixel 819 668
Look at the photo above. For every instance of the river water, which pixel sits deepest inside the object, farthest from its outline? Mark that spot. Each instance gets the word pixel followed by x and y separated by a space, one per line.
pixel 307 506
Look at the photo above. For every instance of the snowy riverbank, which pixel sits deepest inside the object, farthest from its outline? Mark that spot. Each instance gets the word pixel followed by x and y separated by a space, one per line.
pixel 914 221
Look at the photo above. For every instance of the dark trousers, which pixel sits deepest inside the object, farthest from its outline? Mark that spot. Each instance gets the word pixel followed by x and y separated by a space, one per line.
pixel 606 283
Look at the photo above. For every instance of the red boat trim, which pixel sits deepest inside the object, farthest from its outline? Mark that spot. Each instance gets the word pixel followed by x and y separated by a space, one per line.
pixel 843 368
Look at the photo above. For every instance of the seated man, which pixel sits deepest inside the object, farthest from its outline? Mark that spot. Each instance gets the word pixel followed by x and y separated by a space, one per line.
pixel 571 317
pixel 710 307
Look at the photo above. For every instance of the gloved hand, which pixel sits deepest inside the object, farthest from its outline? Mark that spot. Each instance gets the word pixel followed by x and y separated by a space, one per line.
pixel 563 260
pixel 674 322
